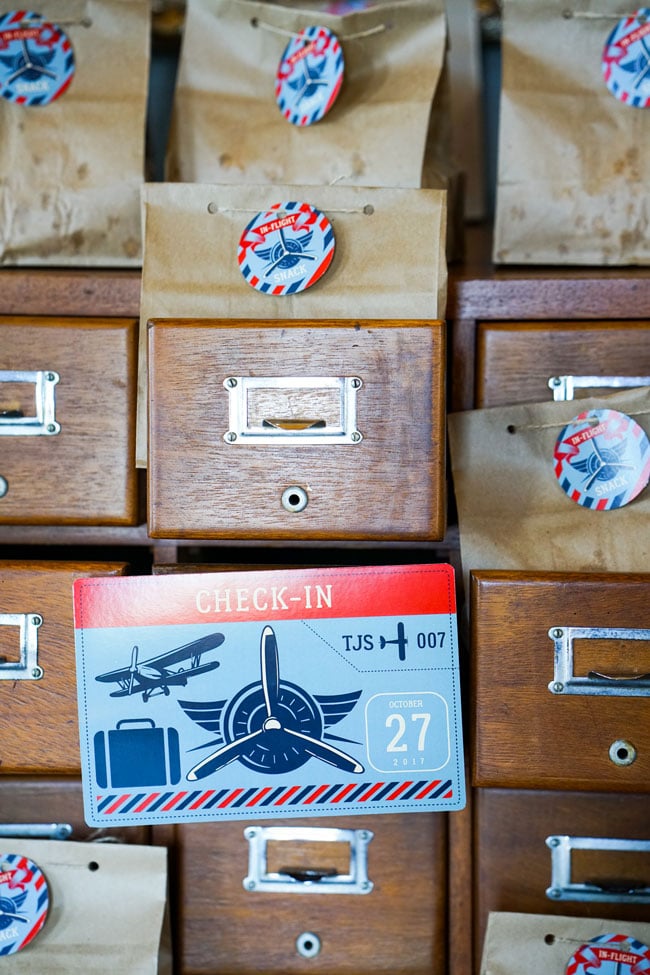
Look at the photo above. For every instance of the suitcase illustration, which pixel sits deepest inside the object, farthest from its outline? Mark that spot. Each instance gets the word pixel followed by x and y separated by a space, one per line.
pixel 137 753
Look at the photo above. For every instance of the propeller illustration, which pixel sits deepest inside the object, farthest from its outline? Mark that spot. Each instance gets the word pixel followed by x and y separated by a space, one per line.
pixel 271 723
pixel 133 669
pixel 290 248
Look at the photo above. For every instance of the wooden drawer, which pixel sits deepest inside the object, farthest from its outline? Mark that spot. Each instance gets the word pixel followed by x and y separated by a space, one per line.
pixel 515 360
pixel 220 926
pixel 67 421
pixel 515 864
pixel 542 715
pixel 24 799
pixel 366 460
pixel 39 724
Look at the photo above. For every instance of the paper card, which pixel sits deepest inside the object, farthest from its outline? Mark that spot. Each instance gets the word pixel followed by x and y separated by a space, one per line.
pixel 276 693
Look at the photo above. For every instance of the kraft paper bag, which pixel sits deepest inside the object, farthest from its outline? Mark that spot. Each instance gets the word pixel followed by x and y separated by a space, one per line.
pixel 573 167
pixel 107 909
pixel 389 258
pixel 512 511
pixel 540 944
pixel 71 169
pixel 392 108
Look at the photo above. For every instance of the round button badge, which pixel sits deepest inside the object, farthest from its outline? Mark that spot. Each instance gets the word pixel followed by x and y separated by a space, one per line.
pixel 24 902
pixel 602 459
pixel 610 954
pixel 36 59
pixel 286 249
pixel 309 76
pixel 626 59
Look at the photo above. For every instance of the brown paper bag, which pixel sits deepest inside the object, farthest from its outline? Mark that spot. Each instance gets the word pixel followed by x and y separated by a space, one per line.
pixel 540 944
pixel 107 909
pixel 573 166
pixel 71 170
pixel 512 512
pixel 389 258
pixel 227 127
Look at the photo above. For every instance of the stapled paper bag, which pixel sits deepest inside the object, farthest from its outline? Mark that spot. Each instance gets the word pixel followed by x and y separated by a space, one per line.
pixel 90 908
pixel 574 121
pixel 541 944
pixel 358 253
pixel 74 82
pixel 513 512
pixel 300 93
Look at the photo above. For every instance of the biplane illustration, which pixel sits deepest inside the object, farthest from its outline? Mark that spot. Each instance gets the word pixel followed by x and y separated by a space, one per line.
pixel 155 675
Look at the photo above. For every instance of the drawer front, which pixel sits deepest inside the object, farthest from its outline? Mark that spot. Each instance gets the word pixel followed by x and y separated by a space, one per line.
pixel 560 680
pixel 38 723
pixel 514 868
pixel 221 924
pixel 67 421
pixel 291 431
pixel 44 801
pixel 516 360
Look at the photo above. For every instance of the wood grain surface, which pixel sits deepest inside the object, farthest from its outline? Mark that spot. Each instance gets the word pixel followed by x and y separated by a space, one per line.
pixel 524 736
pixel 39 725
pixel 84 475
pixel 398 928
pixel 513 863
pixel 46 799
pixel 515 360
pixel 389 486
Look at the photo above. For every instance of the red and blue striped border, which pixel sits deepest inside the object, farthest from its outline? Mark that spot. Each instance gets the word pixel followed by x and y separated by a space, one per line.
pixel 143 804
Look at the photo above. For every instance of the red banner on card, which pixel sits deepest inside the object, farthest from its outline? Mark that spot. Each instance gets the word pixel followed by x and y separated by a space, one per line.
pixel 264 595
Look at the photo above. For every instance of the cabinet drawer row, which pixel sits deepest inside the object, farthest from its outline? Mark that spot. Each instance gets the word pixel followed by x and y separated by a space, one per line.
pixel 262 430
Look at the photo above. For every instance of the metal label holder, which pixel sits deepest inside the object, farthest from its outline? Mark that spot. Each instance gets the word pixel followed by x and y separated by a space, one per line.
pixel 292 431
pixel 43 423
pixel 307 881
pixel 564 889
pixel 564 386
pixel 566 682
pixel 27 666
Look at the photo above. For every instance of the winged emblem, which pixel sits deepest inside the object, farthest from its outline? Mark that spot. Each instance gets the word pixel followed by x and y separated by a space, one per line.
pixel 9 908
pixel 272 725
pixel 602 464
pixel 292 246
pixel 27 64
pixel 311 79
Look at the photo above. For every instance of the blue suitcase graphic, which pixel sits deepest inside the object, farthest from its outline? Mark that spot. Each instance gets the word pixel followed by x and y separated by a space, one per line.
pixel 138 755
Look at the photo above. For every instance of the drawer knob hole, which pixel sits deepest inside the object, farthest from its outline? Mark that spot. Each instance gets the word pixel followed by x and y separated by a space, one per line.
pixel 622 752
pixel 308 944
pixel 294 498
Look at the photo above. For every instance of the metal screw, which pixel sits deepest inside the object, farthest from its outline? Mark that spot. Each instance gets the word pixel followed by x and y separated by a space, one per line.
pixel 50 377
pixel 556 381
pixel 51 428
pixel 553 841
pixel 230 436
pixel 231 382
pixel 555 892
pixel 355 437
pixel 356 383
pixel 37 673
pixel 250 885
pixel 557 633
pixel 37 620
pixel 558 687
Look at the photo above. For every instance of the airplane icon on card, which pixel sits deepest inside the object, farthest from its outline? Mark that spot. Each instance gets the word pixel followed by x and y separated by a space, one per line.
pixel 401 641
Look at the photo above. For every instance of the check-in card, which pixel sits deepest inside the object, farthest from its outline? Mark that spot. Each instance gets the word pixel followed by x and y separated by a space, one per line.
pixel 235 695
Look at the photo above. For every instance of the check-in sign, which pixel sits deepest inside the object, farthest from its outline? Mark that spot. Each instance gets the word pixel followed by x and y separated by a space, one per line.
pixel 274 693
